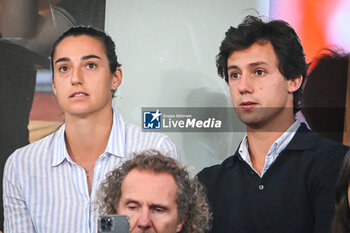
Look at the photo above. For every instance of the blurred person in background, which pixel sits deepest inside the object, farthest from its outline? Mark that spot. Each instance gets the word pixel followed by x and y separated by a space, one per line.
pixel 341 219
pixel 324 94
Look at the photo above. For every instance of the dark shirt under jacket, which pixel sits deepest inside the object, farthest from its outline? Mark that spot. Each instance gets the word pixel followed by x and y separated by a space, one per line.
pixel 294 195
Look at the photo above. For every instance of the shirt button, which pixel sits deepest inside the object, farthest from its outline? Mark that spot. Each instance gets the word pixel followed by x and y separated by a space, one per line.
pixel 98 166
pixel 261 187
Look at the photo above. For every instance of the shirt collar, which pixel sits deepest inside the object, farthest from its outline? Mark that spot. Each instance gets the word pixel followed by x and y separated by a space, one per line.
pixel 276 147
pixel 115 145
pixel 116 141
pixel 59 149
pixel 285 138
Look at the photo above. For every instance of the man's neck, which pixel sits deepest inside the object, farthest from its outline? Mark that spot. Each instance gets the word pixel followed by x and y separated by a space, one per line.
pixel 260 142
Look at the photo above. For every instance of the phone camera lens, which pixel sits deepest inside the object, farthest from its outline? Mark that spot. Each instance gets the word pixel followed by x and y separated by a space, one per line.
pixel 106 224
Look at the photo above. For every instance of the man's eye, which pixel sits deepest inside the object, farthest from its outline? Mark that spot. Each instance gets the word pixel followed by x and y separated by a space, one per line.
pixel 91 65
pixel 259 72
pixel 234 75
pixel 63 69
pixel 131 207
pixel 158 210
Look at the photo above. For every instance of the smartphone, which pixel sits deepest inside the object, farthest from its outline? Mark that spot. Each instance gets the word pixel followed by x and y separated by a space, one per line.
pixel 113 224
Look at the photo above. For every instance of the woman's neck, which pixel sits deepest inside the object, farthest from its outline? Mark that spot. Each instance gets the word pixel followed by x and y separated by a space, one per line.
pixel 87 138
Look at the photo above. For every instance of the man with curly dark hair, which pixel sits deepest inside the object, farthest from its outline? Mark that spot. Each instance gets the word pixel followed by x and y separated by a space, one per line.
pixel 157 194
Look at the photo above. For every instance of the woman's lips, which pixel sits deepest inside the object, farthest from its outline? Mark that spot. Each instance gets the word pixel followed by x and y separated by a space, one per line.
pixel 78 94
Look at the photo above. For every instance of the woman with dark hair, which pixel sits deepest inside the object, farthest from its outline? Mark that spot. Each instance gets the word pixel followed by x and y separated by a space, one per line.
pixel 341 220
pixel 52 182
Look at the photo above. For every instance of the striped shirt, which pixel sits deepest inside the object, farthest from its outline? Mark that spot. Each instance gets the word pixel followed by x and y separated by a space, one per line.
pixel 276 148
pixel 45 191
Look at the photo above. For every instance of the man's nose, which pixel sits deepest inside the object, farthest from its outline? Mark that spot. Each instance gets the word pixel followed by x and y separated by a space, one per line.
pixel 245 84
pixel 77 77
pixel 144 222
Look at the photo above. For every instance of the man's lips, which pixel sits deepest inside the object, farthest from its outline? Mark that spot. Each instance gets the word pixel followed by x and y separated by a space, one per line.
pixel 78 94
pixel 247 105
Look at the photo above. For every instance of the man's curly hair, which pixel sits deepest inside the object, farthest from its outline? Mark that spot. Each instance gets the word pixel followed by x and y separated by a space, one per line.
pixel 192 205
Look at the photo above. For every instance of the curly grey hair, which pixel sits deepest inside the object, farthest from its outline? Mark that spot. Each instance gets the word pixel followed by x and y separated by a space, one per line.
pixel 192 205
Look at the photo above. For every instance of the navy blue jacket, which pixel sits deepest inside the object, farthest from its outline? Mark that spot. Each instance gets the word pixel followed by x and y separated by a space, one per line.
pixel 294 195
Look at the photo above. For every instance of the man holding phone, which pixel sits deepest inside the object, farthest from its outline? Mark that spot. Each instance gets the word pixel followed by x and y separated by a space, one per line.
pixel 157 194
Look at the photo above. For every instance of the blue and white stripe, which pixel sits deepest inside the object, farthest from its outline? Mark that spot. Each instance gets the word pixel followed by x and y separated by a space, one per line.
pixel 45 191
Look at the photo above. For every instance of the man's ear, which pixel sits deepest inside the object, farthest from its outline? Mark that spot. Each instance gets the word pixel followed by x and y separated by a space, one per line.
pixel 117 78
pixel 54 87
pixel 295 84
pixel 180 224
